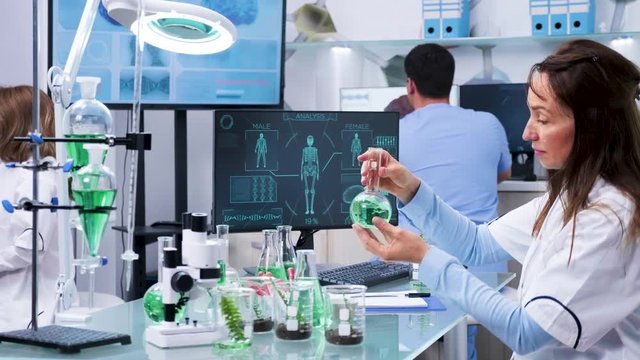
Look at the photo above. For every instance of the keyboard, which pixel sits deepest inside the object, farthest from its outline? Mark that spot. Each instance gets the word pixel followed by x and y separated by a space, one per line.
pixel 368 273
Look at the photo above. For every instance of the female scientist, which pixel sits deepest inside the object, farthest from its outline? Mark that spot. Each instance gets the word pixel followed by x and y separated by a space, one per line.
pixel 15 229
pixel 579 296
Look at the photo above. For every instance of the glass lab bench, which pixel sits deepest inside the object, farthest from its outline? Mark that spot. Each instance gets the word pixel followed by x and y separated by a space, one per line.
pixel 388 336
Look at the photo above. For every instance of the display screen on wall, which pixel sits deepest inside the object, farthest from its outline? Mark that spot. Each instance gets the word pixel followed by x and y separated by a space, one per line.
pixel 247 74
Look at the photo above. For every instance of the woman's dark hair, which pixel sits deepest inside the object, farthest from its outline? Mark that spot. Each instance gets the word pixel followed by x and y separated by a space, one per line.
pixel 600 88
pixel 15 120
pixel 431 67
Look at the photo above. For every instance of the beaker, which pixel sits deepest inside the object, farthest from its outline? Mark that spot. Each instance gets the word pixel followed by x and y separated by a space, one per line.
pixel 293 309
pixel 262 302
pixel 371 202
pixel 344 320
pixel 285 245
pixel 270 262
pixel 236 305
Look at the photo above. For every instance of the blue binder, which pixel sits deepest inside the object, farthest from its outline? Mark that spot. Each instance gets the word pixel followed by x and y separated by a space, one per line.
pixel 431 18
pixel 581 17
pixel 558 15
pixel 445 18
pixel 455 18
pixel 539 10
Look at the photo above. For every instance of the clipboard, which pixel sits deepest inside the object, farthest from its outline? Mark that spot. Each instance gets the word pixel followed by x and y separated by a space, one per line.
pixel 396 302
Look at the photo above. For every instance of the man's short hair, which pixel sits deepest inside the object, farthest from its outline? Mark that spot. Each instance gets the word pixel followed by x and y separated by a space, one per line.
pixel 431 67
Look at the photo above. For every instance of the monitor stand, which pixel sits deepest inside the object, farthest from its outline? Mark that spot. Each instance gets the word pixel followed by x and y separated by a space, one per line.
pixel 305 241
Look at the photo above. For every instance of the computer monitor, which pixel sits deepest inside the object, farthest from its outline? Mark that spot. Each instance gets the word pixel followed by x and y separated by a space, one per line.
pixel 508 102
pixel 265 171
pixel 249 73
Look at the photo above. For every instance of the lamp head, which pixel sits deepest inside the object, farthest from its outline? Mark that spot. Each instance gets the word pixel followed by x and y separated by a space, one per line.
pixel 175 26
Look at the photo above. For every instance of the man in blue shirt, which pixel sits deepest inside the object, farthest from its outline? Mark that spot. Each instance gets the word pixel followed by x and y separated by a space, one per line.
pixel 462 154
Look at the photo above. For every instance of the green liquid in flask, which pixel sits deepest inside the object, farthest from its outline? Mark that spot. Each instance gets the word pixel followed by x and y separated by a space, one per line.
pixel 93 218
pixel 79 154
pixel 276 271
pixel 153 306
pixel 367 205
pixel 318 302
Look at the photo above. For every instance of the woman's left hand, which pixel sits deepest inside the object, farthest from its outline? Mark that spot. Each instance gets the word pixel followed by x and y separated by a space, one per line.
pixel 402 245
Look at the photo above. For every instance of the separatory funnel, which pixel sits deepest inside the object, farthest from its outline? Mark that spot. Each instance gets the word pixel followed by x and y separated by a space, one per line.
pixel 94 189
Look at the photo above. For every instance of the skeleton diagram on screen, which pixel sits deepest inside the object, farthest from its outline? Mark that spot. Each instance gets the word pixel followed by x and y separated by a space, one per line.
pixel 309 170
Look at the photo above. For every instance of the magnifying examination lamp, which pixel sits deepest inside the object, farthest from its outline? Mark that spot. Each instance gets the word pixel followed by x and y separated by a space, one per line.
pixel 173 26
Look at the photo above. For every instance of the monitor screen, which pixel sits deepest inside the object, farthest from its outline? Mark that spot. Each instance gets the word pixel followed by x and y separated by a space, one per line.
pixel 250 73
pixel 508 102
pixel 293 168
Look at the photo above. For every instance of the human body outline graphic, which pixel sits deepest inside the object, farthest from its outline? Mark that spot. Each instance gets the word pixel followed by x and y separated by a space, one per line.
pixel 261 151
pixel 356 149
pixel 309 168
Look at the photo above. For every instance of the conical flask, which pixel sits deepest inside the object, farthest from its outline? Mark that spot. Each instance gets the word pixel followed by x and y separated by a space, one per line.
pixel 285 245
pixel 270 263
pixel 86 118
pixel 93 187
pixel 307 271
pixel 371 202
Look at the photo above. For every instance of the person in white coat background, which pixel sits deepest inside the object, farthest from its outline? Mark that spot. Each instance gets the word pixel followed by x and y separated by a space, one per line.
pixel 15 229
pixel 579 294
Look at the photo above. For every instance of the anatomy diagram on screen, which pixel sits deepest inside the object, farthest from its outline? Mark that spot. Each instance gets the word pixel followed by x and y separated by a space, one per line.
pixel 261 151
pixel 309 170
pixel 356 149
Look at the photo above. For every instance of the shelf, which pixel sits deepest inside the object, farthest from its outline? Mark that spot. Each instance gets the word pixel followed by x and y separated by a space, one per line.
pixel 469 41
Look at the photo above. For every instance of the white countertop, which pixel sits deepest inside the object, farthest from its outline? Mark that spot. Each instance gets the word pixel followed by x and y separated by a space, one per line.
pixel 522 186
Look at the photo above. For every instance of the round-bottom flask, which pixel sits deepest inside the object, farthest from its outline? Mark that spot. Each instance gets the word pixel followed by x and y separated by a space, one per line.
pixel 368 204
pixel 371 202
pixel 152 299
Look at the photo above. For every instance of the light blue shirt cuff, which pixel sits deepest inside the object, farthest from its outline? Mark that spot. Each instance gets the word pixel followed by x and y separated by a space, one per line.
pixel 506 319
pixel 418 208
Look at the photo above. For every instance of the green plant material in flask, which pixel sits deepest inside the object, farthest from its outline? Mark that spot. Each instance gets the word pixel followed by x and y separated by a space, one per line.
pixel 235 326
pixel 371 202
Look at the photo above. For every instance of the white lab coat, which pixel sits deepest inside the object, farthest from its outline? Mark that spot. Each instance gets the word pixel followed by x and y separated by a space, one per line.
pixel 592 304
pixel 15 250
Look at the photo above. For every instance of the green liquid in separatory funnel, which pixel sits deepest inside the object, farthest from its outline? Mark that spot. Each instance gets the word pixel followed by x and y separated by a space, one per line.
pixel 79 154
pixel 92 217
pixel 276 271
pixel 365 206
